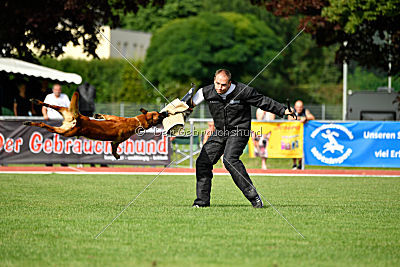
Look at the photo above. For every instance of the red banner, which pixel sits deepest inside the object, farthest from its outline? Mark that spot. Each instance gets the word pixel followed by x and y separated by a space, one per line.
pixel 26 145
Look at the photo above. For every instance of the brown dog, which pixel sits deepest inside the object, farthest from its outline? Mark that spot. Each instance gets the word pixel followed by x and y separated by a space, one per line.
pixel 112 128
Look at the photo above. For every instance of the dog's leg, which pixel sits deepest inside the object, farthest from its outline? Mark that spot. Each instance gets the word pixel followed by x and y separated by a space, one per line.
pixel 74 105
pixel 45 126
pixel 114 146
pixel 61 110
pixel 40 103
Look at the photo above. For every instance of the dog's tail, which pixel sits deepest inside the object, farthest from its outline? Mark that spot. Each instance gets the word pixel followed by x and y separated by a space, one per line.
pixel 74 105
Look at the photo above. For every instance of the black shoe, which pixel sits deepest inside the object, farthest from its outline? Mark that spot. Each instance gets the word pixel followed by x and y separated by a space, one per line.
pixel 299 167
pixel 257 202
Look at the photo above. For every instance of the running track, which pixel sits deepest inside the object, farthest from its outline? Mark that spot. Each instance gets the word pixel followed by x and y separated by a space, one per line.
pixel 188 171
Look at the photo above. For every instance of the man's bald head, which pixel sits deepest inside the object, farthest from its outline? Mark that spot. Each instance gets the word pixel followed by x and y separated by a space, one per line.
pixel 299 106
pixel 222 81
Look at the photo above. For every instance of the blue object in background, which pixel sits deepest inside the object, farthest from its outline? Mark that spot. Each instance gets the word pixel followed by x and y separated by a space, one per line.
pixel 352 144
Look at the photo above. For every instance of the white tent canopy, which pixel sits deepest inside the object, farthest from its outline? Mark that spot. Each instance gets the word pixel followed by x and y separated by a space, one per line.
pixel 12 65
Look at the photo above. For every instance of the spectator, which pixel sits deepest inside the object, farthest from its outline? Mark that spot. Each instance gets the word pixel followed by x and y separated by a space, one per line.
pixel 303 115
pixel 261 142
pixel 22 105
pixel 56 98
pixel 87 95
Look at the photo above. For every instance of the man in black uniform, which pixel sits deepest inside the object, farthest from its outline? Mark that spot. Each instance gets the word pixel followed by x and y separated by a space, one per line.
pixel 230 104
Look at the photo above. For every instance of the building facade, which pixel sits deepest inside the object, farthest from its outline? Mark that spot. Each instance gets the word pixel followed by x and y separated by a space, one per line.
pixel 131 44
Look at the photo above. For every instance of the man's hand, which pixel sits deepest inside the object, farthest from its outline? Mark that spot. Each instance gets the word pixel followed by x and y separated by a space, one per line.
pixel 303 119
pixel 187 113
pixel 291 113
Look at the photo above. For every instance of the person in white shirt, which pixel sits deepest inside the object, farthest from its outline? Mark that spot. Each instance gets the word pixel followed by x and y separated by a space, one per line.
pixel 56 98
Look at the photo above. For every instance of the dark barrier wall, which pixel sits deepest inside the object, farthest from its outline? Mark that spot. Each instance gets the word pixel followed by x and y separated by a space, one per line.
pixel 26 145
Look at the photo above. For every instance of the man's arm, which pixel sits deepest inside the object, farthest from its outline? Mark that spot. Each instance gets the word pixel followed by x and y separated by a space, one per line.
pixel 15 109
pixel 66 101
pixel 254 98
pixel 192 101
pixel 306 118
pixel 309 115
pixel 260 114
pixel 198 97
pixel 44 111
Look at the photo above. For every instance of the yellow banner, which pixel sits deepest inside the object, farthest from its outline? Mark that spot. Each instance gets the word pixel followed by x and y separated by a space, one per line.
pixel 276 139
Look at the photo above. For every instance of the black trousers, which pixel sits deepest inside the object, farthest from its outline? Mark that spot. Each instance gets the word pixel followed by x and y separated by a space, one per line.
pixel 232 148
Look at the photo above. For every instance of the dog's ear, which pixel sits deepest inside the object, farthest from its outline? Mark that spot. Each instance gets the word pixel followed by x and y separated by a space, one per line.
pixel 143 110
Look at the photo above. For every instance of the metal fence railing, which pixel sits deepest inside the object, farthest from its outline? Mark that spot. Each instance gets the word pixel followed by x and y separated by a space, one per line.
pixel 321 112
pixel 326 112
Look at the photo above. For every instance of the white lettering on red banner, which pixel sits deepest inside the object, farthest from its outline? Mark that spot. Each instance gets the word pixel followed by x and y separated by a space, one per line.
pixel 58 145
pixel 10 145
pixel 35 142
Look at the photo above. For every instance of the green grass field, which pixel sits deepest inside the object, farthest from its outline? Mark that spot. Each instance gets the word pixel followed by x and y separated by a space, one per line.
pixel 53 219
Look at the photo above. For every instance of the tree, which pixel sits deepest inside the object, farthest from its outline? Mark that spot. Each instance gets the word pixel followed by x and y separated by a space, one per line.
pixel 134 87
pixel 49 25
pixel 152 17
pixel 193 48
pixel 370 28
pixel 106 75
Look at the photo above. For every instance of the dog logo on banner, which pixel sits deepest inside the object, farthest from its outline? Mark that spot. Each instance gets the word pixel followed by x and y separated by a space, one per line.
pixel 332 151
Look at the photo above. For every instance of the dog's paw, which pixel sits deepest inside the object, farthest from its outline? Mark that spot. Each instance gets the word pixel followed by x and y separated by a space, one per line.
pixel 28 123
pixel 98 116
pixel 117 156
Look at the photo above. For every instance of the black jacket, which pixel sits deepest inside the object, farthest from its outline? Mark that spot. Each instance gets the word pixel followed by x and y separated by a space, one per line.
pixel 235 111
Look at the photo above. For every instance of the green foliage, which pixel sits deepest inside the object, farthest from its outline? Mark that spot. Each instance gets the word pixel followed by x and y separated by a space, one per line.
pixel 105 75
pixel 134 87
pixel 193 48
pixel 50 25
pixel 303 71
pixel 152 17
pixel 353 13
pixel 370 28
pixel 362 79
